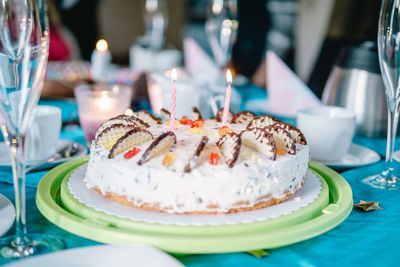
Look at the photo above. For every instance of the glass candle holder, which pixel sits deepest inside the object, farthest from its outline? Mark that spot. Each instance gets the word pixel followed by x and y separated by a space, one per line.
pixel 99 102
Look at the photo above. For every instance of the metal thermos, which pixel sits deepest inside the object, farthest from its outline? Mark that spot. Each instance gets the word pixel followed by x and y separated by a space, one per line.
pixel 355 82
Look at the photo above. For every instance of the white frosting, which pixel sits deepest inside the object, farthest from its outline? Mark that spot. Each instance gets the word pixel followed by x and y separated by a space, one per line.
pixel 252 176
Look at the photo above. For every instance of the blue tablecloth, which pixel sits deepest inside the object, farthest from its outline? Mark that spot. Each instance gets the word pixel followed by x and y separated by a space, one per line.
pixel 367 238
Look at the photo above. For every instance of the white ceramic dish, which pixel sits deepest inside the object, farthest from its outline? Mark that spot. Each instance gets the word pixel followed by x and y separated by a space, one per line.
pixel 328 129
pixel 122 255
pixel 5 158
pixel 90 198
pixel 7 214
pixel 356 156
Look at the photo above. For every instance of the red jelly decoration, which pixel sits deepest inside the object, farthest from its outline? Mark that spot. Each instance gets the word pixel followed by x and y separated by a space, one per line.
pixel 197 123
pixel 214 159
pixel 131 153
pixel 186 122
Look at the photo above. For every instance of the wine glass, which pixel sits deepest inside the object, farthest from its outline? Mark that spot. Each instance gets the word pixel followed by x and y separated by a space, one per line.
pixel 221 29
pixel 23 57
pixel 389 56
pixel 156 21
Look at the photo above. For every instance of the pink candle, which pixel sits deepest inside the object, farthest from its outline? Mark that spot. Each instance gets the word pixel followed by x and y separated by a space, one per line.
pixel 173 100
pixel 227 97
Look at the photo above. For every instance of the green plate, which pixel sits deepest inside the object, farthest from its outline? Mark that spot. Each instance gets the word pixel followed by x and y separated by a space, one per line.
pixel 332 206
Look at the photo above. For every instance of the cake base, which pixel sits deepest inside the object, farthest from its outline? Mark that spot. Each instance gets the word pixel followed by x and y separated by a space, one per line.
pixel 156 206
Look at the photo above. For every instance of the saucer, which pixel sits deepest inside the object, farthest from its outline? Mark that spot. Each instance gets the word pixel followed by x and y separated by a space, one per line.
pixel 102 256
pixel 7 214
pixel 356 156
pixel 5 158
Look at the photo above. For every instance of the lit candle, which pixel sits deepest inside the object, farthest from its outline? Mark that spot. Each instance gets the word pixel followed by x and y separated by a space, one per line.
pixel 173 100
pixel 100 60
pixel 227 97
pixel 97 105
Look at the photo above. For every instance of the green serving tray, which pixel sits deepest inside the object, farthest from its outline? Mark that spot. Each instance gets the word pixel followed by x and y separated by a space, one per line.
pixel 332 206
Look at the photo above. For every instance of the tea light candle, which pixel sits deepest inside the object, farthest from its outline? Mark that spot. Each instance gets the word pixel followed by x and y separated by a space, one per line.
pixel 100 60
pixel 98 105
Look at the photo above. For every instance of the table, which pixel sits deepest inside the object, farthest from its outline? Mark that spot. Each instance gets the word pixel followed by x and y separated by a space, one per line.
pixel 367 238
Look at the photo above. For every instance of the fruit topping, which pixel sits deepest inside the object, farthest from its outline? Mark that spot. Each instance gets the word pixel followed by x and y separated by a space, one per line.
pixel 165 114
pixel 243 117
pixel 259 140
pixel 196 114
pixel 262 121
pixel 168 159
pixel 196 155
pixel 229 146
pixel 159 145
pixel 220 115
pixel 168 123
pixel 197 123
pixel 110 135
pixel 224 130
pixel 280 152
pixel 147 117
pixel 196 130
pixel 283 139
pixel 186 122
pixel 131 153
pixel 297 135
pixel 130 139
pixel 214 158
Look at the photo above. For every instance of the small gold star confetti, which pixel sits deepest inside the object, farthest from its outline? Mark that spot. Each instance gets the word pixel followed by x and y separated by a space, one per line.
pixel 259 253
pixel 368 206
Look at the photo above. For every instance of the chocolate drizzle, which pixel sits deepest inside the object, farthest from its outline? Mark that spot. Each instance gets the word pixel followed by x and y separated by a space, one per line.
pixel 243 117
pixel 137 133
pixel 161 143
pixel 193 160
pixel 196 114
pixel 230 145
pixel 220 115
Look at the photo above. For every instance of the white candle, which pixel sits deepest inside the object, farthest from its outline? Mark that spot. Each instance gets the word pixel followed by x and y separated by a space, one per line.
pixel 100 60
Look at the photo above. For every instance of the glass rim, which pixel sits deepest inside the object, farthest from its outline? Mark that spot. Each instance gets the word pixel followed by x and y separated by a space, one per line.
pixel 98 89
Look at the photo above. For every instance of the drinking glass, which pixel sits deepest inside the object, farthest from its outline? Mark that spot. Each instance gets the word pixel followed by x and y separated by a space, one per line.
pixel 99 102
pixel 156 21
pixel 221 28
pixel 23 57
pixel 389 56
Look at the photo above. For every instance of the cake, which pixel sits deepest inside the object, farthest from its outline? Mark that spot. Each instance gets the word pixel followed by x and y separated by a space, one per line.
pixel 200 167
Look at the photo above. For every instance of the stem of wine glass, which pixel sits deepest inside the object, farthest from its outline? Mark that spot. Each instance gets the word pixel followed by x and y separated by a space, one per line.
pixel 16 74
pixel 17 147
pixel 393 119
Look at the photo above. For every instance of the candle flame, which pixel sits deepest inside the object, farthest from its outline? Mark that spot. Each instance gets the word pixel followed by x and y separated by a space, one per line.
pixel 101 45
pixel 229 76
pixel 104 102
pixel 174 75
pixel 129 112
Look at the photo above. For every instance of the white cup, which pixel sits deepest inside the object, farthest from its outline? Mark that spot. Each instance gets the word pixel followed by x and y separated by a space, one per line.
pixel 328 130
pixel 43 134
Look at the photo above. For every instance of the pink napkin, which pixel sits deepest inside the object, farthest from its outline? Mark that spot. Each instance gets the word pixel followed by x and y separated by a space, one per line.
pixel 286 92
pixel 197 62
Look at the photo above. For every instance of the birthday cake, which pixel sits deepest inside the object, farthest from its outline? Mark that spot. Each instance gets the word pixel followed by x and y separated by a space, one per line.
pixel 199 166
